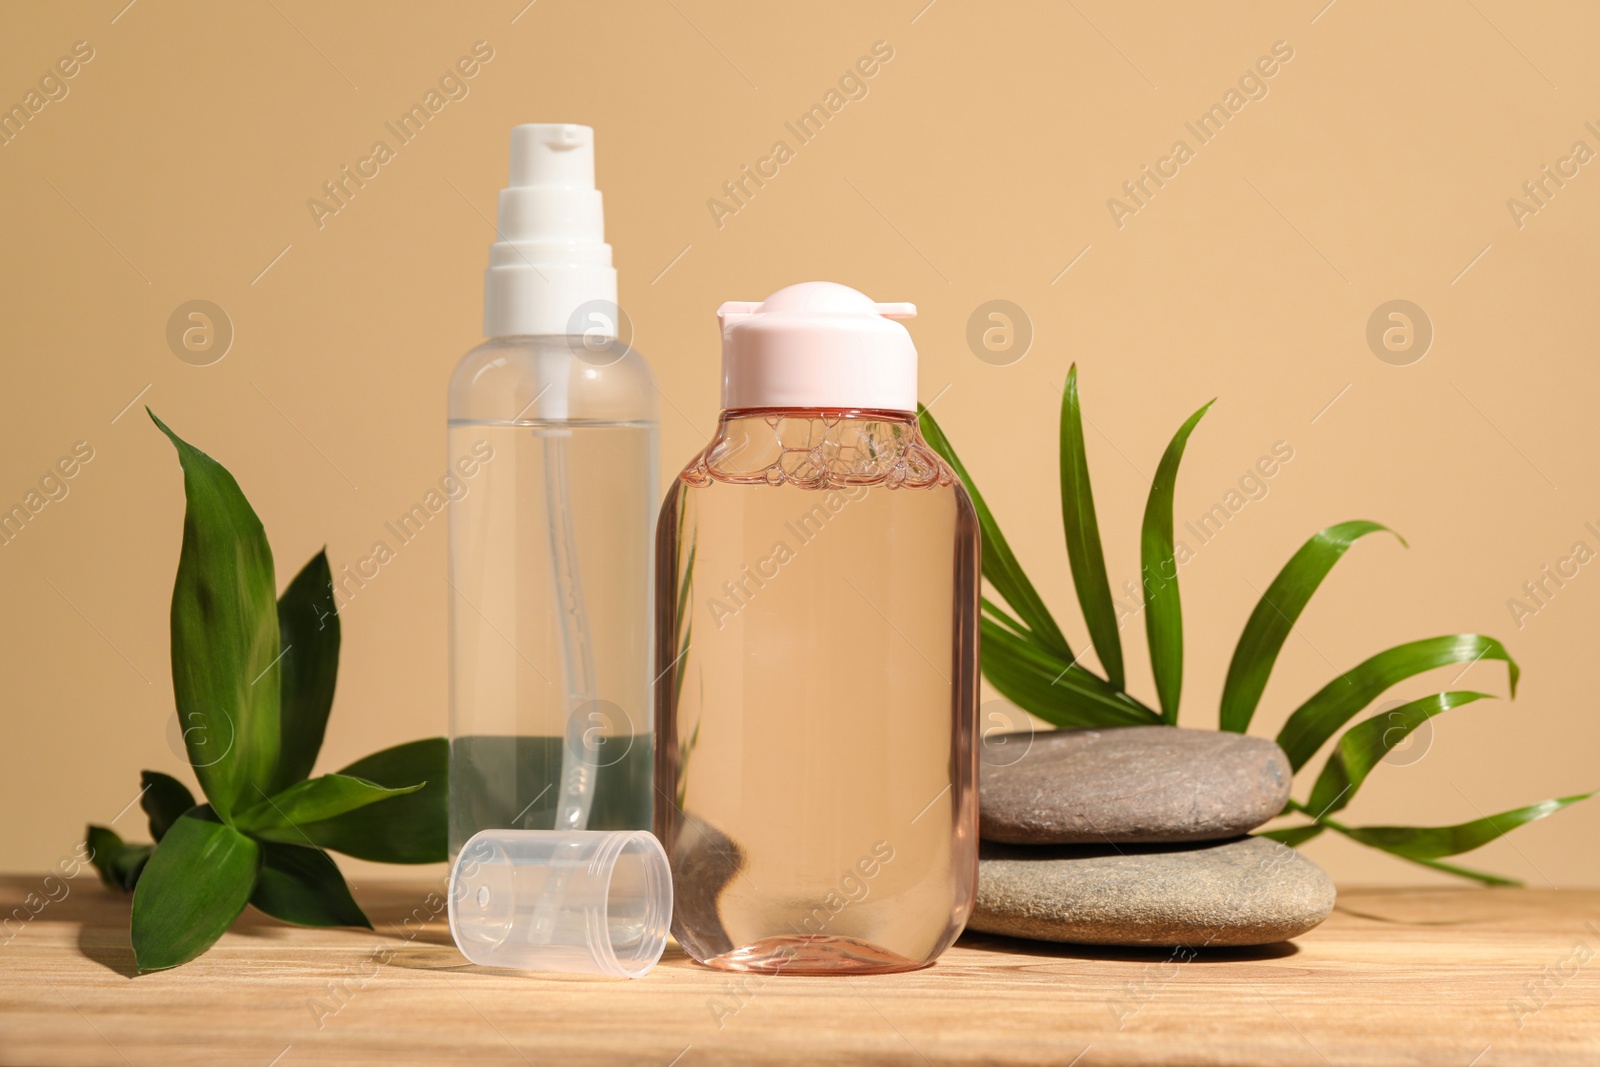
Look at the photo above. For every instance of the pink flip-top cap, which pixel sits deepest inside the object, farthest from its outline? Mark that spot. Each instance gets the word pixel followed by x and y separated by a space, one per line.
pixel 817 345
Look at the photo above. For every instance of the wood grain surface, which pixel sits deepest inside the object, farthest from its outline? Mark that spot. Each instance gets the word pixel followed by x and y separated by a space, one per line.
pixel 1453 977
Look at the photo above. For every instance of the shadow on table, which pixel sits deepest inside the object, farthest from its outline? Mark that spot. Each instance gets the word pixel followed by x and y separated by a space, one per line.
pixel 108 943
pixel 113 951
pixel 1017 946
pixel 100 914
pixel 405 925
pixel 1416 907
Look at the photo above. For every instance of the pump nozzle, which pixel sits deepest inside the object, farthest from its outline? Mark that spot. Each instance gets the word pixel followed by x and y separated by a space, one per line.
pixel 552 257
pixel 549 153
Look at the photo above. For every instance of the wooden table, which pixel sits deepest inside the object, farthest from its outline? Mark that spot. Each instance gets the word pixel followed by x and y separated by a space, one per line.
pixel 1450 977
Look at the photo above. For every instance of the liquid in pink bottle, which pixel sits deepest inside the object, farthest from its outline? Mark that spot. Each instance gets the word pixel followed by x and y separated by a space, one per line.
pixel 817 643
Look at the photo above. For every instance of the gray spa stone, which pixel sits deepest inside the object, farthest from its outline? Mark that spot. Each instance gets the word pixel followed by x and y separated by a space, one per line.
pixel 1248 891
pixel 1142 784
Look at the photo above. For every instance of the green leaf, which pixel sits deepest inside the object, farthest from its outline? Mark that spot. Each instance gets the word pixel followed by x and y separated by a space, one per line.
pixel 118 863
pixel 1275 615
pixel 310 634
pixel 104 844
pixel 1163 613
pixel 303 886
pixel 224 636
pixel 1336 703
pixel 1433 842
pixel 1464 872
pixel 1000 566
pixel 1000 616
pixel 684 637
pixel 164 799
pixel 285 816
pixel 406 829
pixel 1332 824
pixel 1293 836
pixel 195 885
pixel 1084 551
pixel 1055 690
pixel 1365 744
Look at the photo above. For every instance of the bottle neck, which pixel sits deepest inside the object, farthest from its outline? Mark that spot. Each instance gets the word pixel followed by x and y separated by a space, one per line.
pixel 828 414
pixel 817 448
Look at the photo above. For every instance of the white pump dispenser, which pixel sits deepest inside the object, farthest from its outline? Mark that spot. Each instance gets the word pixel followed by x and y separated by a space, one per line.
pixel 552 257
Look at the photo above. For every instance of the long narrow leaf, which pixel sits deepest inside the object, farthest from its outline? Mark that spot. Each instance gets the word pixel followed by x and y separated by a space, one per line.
pixel 310 634
pixel 1434 842
pixel 1084 551
pixel 1274 616
pixel 1366 743
pixel 1336 703
pixel 1293 835
pixel 999 615
pixel 284 816
pixel 1486 877
pixel 684 638
pixel 1043 684
pixel 195 885
pixel 1163 613
pixel 1000 566
pixel 1311 830
pixel 224 635
pixel 303 886
pixel 404 829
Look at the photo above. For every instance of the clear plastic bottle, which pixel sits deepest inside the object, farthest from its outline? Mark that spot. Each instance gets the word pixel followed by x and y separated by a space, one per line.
pixel 553 443
pixel 817 621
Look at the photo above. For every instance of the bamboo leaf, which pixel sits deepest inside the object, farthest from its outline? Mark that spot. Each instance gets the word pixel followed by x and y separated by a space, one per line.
pixel 195 884
pixel 117 862
pixel 411 828
pixel 224 636
pixel 1447 868
pixel 1434 842
pixel 1084 551
pixel 1463 872
pixel 104 844
pixel 1293 836
pixel 165 800
pixel 1000 566
pixel 303 886
pixel 286 816
pixel 1336 703
pixel 1275 614
pixel 684 637
pixel 1055 690
pixel 1365 744
pixel 1163 613
pixel 309 628
pixel 999 615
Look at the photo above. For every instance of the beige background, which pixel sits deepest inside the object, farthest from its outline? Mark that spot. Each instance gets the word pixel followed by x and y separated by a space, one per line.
pixel 978 167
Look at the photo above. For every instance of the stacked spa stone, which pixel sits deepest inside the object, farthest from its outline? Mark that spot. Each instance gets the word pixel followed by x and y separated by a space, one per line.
pixel 1137 835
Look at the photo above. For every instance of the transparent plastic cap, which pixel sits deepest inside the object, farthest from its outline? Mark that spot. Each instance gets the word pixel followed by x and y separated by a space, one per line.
pixel 580 901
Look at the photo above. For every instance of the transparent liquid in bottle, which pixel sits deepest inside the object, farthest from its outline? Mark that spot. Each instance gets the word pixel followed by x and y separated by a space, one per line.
pixel 817 625
pixel 549 590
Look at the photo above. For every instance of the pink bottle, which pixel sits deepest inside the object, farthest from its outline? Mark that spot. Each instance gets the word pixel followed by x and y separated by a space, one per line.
pixel 817 643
